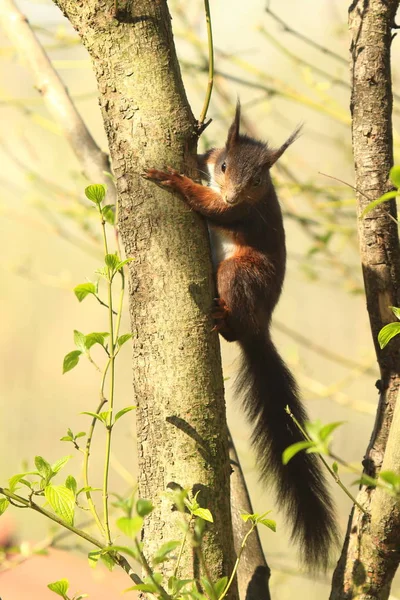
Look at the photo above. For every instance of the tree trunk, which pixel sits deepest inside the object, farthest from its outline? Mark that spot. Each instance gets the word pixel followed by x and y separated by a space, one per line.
pixel 372 548
pixel 181 427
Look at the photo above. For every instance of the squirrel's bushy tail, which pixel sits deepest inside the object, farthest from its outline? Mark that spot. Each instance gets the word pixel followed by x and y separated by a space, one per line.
pixel 267 387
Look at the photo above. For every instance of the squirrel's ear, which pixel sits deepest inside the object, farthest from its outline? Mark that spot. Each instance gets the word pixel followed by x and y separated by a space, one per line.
pixel 275 154
pixel 233 132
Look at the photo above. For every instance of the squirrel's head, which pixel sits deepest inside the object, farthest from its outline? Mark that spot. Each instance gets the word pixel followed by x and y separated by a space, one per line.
pixel 241 169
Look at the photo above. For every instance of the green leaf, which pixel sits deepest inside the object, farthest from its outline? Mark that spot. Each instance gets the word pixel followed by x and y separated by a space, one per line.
pixel 4 504
pixel 396 311
pixel 375 203
pixel 71 484
pixel 390 477
pixel 111 261
pixel 395 176
pixel 387 333
pixel 124 338
pixel 79 340
pixel 130 526
pixel 125 550
pixel 123 411
pixel 203 513
pixel 20 478
pixel 162 553
pixel 208 587
pixel 249 517
pixel 123 263
pixel 175 585
pixel 84 289
pixel 108 561
pixel 270 523
pixel 43 467
pixel 335 467
pixel 292 450
pixel 71 360
pixel 144 507
pixel 59 587
pixel 89 488
pixel 80 434
pixel 59 464
pixel 96 192
pixel 97 337
pixel 100 417
pixel 326 430
pixel 103 272
pixel 366 480
pixel 62 501
pixel 66 438
pixel 93 558
pixel 108 212
pixel 143 587
pixel 220 585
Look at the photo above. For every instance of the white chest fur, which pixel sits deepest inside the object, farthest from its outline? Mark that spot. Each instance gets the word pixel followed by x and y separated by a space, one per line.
pixel 222 245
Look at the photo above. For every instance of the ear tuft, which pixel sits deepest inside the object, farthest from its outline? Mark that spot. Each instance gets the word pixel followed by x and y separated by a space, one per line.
pixel 275 154
pixel 233 133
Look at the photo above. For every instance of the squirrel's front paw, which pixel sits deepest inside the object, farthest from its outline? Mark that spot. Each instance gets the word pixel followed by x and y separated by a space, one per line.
pixel 163 178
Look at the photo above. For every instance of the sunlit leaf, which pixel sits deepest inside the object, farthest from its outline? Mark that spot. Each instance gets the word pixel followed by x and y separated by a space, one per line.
pixel 395 175
pixel 130 526
pixel 71 360
pixel 4 504
pixel 204 514
pixel 388 332
pixel 294 449
pixel 59 587
pixel 59 464
pixel 375 203
pixel 62 501
pixel 96 192
pixel 84 289
pixel 162 553
pixel 123 411
pixel 144 507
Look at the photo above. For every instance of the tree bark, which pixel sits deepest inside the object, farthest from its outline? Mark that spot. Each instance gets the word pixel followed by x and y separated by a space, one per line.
pixel 253 571
pixel 181 427
pixel 371 552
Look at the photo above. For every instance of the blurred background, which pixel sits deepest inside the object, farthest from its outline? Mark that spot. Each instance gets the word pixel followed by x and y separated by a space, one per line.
pixel 288 64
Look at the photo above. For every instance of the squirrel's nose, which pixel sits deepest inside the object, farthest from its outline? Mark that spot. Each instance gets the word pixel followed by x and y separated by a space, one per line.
pixel 231 198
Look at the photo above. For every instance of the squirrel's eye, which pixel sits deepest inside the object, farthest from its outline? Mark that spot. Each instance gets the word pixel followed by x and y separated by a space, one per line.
pixel 256 181
pixel 223 167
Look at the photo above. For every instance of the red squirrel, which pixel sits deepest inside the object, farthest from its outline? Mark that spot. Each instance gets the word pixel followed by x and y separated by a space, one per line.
pixel 249 256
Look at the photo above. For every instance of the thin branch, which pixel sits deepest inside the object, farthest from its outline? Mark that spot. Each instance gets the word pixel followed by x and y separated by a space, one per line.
pixel 24 503
pixel 305 39
pixel 58 101
pixel 210 65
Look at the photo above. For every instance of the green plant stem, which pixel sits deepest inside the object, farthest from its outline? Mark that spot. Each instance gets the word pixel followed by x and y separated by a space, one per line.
pixel 242 547
pixel 331 471
pixel 149 571
pixel 178 560
pixel 112 386
pixel 210 63
pixel 90 502
pixel 118 558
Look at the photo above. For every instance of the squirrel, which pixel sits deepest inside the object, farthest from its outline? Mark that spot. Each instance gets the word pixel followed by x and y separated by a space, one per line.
pixel 249 255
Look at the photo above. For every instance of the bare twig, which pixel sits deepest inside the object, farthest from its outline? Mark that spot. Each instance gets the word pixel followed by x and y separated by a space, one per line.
pixel 58 101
